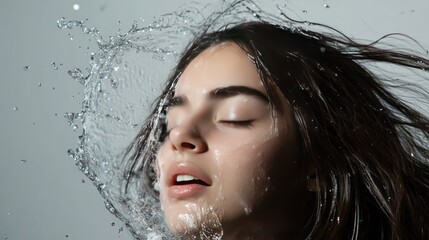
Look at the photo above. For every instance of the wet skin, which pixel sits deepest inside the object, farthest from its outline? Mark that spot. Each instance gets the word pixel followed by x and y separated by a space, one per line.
pixel 225 165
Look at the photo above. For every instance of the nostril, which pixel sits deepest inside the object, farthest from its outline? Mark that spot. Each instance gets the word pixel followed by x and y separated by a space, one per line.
pixel 188 145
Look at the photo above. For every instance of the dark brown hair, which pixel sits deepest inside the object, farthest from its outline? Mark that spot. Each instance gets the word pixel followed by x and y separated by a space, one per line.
pixel 369 148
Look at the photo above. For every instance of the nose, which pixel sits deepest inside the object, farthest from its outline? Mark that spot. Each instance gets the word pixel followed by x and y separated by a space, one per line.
pixel 186 138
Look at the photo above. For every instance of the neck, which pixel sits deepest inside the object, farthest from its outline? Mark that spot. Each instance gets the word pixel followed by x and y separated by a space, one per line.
pixel 262 233
pixel 267 225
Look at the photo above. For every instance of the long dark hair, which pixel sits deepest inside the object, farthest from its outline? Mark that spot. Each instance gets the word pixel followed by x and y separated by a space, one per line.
pixel 369 149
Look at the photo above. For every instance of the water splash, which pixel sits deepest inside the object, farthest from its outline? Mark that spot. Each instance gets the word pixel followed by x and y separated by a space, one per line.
pixel 123 78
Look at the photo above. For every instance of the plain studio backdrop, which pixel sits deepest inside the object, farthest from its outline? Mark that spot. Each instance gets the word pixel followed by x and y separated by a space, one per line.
pixel 43 195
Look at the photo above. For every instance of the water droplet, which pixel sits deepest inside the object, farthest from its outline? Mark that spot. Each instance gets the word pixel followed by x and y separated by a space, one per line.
pixel 54 65
pixel 247 210
pixel 320 67
pixel 83 180
pixel 23 161
pixel 112 224
pixel 76 7
pixel 77 75
pixel 15 108
pixel 75 127
pixel 412 154
pixel 71 153
pixel 121 229
pixel 304 11
pixel 326 5
pixel 26 68
pixel 67 236
pixel 322 49
pixel 39 84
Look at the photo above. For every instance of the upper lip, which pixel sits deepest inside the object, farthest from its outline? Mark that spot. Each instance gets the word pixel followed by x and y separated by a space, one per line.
pixel 186 168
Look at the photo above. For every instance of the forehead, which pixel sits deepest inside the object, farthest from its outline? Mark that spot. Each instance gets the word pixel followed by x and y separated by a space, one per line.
pixel 222 65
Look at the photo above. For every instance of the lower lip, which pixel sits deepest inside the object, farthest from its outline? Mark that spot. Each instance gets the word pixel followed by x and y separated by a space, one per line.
pixel 185 191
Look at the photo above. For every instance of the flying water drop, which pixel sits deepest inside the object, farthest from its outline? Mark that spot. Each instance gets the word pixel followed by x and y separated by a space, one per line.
pixel 54 65
pixel 77 75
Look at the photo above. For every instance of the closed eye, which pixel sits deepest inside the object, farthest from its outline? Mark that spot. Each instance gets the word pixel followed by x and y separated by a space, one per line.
pixel 243 123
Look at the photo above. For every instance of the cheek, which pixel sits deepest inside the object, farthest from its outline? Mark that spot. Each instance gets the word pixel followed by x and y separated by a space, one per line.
pixel 245 176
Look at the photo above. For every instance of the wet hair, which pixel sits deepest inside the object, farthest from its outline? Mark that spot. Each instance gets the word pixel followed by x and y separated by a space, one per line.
pixel 369 148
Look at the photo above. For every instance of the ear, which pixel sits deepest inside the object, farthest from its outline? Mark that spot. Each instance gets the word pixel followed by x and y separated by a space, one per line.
pixel 312 181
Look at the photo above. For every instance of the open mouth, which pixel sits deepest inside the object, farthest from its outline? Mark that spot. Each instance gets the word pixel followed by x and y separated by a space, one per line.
pixel 184 186
pixel 188 179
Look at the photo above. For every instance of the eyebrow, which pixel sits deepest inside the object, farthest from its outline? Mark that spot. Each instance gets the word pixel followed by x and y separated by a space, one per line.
pixel 223 93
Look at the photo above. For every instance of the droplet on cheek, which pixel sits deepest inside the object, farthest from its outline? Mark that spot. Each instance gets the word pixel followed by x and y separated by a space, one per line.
pixel 247 210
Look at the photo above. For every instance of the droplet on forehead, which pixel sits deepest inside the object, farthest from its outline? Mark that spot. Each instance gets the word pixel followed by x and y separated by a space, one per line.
pixel 76 7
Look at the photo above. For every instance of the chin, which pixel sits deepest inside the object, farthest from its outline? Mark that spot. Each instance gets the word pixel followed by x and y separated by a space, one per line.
pixel 193 221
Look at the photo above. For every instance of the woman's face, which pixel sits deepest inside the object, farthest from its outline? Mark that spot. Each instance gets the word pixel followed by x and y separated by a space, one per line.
pixel 224 163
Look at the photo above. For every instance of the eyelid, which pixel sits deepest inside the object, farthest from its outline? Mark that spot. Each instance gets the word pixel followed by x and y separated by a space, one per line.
pixel 237 123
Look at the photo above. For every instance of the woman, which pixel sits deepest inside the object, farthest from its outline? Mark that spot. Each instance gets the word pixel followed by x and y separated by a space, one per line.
pixel 268 132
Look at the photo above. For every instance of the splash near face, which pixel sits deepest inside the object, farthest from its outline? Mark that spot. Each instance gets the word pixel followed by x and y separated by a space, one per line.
pixel 123 78
pixel 212 156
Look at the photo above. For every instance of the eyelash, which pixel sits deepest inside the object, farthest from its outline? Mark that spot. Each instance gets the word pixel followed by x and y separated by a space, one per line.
pixel 241 124
pixel 173 102
pixel 236 124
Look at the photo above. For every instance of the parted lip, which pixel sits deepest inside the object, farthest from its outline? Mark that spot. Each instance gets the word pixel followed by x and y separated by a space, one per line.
pixel 186 168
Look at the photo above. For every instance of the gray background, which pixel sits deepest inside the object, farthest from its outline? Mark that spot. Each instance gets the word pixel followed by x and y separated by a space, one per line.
pixel 44 197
